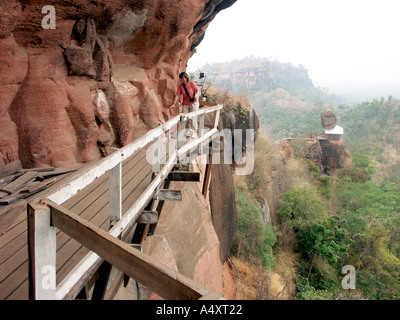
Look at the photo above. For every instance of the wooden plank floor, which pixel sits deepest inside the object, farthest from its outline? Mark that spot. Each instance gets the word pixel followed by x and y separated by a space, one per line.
pixel 91 203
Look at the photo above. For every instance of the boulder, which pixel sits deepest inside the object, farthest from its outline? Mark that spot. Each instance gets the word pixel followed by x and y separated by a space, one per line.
pixel 328 119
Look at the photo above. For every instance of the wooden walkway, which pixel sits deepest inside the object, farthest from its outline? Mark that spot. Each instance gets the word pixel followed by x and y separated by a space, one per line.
pixel 92 215
pixel 91 203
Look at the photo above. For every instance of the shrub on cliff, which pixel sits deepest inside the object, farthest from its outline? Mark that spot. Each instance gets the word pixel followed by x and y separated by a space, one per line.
pixel 254 238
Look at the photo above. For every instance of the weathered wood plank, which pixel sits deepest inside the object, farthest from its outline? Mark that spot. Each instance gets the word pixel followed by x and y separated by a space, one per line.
pixel 36 185
pixel 20 182
pixel 7 179
pixel 12 198
pixel 168 195
pixel 56 172
pixel 164 281
pixel 3 194
pixel 148 217
pixel 23 194
pixel 45 169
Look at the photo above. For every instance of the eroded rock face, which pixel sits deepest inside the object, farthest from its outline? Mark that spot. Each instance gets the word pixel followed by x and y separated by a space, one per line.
pixel 334 154
pixel 103 77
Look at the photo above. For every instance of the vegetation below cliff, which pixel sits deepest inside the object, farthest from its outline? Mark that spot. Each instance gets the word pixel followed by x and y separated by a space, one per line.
pixel 324 225
pixel 319 224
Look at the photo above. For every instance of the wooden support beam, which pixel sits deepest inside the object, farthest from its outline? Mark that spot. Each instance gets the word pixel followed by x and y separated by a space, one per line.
pixel 100 286
pixel 207 177
pixel 148 217
pixel 182 167
pixel 159 208
pixel 164 281
pixel 142 228
pixel 114 286
pixel 184 176
pixel 168 195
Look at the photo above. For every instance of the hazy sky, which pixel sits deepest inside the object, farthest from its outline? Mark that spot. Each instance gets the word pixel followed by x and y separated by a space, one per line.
pixel 346 45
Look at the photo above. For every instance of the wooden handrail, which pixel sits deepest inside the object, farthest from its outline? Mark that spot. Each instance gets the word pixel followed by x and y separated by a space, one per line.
pixel 86 175
pixel 158 278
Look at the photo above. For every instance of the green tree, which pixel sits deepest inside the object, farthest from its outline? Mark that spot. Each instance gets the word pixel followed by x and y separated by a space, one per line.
pixel 301 208
pixel 380 268
pixel 327 240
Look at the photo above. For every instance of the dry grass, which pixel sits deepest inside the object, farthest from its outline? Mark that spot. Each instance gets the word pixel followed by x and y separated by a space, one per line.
pixel 250 279
pixel 256 283
pixel 287 261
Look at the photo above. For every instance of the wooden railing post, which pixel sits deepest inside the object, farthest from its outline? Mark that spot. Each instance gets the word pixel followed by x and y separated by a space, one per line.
pixel 115 181
pixel 41 253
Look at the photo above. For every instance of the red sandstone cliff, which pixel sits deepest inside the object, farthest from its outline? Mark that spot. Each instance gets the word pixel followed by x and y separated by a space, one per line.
pixel 101 78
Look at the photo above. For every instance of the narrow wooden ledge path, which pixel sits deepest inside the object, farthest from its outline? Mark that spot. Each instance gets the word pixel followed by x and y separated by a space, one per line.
pixel 91 203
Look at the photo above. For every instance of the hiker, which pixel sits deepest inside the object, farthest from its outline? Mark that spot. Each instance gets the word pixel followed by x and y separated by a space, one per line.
pixel 186 94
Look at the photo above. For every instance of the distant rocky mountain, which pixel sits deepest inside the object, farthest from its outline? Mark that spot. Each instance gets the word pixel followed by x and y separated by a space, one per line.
pixel 281 93
pixel 256 74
